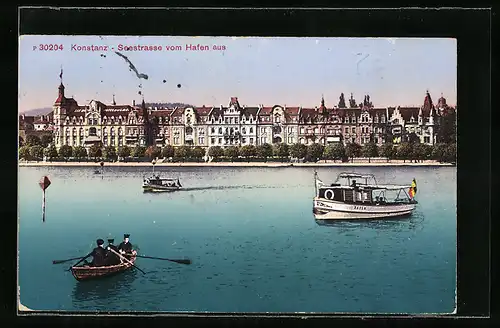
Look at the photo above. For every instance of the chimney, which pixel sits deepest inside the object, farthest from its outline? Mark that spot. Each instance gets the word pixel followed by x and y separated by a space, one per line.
pixel 133 102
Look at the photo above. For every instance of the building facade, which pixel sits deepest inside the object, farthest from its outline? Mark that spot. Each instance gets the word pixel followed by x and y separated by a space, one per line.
pixel 234 125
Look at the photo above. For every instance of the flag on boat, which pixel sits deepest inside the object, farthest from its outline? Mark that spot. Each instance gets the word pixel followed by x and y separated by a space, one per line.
pixel 413 188
pixel 319 183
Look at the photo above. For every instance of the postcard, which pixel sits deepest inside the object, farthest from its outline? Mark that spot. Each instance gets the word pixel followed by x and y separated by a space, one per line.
pixel 237 174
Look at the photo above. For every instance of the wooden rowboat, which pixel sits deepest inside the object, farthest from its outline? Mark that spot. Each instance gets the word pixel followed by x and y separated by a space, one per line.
pixel 88 272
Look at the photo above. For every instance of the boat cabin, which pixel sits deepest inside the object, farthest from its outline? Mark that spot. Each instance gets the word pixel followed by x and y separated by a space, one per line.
pixel 365 192
pixel 157 181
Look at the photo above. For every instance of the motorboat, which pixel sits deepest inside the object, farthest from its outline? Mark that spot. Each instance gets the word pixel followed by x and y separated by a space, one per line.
pixel 359 196
pixel 155 183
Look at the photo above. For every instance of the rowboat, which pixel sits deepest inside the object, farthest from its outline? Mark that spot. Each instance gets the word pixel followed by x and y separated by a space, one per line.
pixel 367 200
pixel 86 272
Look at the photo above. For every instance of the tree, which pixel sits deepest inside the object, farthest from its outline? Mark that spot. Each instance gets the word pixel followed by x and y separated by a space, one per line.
pixel 404 151
pixel 46 139
pixel 298 150
pixel 32 140
pixel 124 151
pixel 139 151
pixel 264 151
pixel 352 150
pixel 387 150
pixel 450 154
pixel 167 151
pixel 50 152
pixel 66 151
pixel 216 152
pixel 79 152
pixel 314 152
pixel 95 151
pixel 21 141
pixel 24 152
pixel 232 152
pixel 36 152
pixel 369 150
pixel 199 153
pixel 109 152
pixel 281 151
pixel 438 152
pixel 153 152
pixel 334 151
pixel 248 151
pixel 447 132
pixel 182 153
pixel 421 152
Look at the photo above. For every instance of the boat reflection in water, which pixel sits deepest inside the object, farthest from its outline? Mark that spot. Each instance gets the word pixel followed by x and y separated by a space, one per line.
pixel 102 293
pixel 415 222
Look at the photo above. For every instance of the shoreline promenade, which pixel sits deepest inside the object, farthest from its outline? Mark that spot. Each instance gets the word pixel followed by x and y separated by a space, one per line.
pixel 392 163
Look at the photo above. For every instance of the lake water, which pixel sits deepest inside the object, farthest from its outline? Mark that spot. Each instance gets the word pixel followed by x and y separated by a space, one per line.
pixel 250 233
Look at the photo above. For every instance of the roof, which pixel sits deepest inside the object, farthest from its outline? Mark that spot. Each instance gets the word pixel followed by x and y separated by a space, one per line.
pixel 408 112
pixel 203 111
pixel 265 111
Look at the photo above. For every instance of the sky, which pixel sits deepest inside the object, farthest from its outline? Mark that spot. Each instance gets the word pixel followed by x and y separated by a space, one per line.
pixel 267 71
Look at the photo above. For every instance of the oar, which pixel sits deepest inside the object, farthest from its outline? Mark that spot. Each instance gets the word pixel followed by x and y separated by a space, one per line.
pixel 62 261
pixel 163 259
pixel 81 260
pixel 125 259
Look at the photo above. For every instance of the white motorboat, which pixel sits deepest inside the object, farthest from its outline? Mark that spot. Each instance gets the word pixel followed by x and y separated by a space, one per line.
pixel 155 183
pixel 368 200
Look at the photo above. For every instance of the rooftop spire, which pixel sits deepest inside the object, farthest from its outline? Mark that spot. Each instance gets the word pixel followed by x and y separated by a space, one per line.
pixel 61 75
pixel 114 102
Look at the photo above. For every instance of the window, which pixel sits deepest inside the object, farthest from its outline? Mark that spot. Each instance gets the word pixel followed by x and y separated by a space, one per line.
pixel 92 132
pixel 220 130
pixel 176 140
pixel 212 140
pixel 427 139
pixel 251 141
pixel 212 130
pixel 290 140
pixel 201 140
pixel 353 130
pixel 235 120
pixel 220 141
pixel 243 130
pixel 346 130
pixel 112 141
pixel 243 140
pixel 120 142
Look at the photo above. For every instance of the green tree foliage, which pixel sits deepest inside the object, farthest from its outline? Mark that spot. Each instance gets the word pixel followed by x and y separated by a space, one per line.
pixel 387 150
pixel 109 153
pixel 404 151
pixel 298 150
pixel 264 151
pixel 314 152
pixel 124 151
pixel 139 151
pixel 334 151
pixel 46 140
pixel 438 152
pixel 198 153
pixel 232 152
pixel 32 140
pixel 95 151
pixel 153 152
pixel 451 153
pixel 248 151
pixel 281 150
pixel 421 152
pixel 21 141
pixel 36 152
pixel 352 150
pixel 66 151
pixel 447 132
pixel 50 152
pixel 24 152
pixel 167 151
pixel 369 150
pixel 79 152
pixel 182 153
pixel 216 152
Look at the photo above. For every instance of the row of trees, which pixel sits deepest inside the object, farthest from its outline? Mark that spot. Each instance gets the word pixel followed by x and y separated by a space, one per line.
pixel 281 152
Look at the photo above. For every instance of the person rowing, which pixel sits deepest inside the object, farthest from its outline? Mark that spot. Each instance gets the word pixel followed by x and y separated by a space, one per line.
pixel 98 254
pixel 111 257
pixel 125 248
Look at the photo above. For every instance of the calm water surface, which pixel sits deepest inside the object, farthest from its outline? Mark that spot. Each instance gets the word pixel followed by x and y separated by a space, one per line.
pixel 251 236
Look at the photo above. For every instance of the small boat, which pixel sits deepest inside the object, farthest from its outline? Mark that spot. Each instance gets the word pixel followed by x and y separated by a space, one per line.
pixel 86 272
pixel 97 172
pixel 155 183
pixel 366 200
